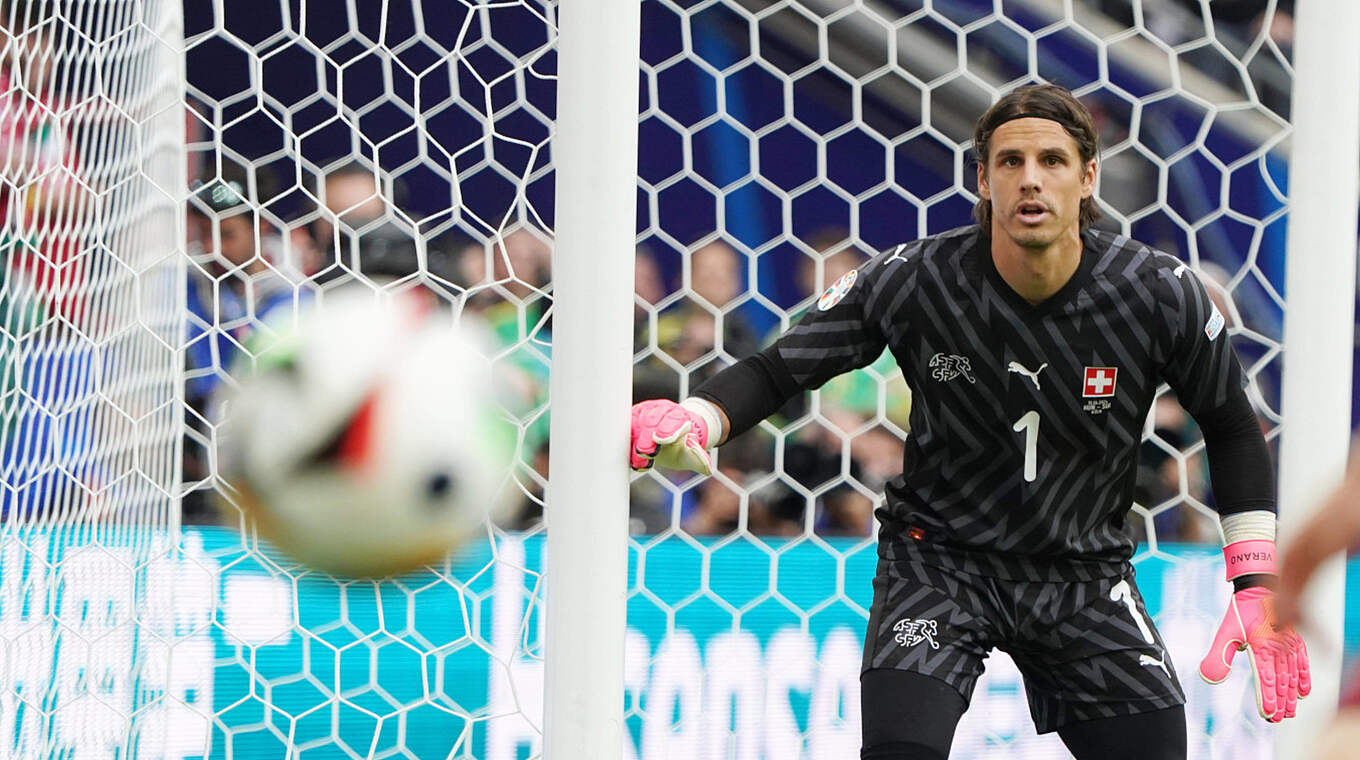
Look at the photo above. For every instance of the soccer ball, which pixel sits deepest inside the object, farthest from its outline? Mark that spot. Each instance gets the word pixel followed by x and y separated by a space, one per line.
pixel 365 441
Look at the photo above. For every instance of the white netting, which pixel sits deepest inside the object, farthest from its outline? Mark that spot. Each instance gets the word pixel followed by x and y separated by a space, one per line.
pixel 386 145
pixel 91 146
pixel 800 137
pixel 91 166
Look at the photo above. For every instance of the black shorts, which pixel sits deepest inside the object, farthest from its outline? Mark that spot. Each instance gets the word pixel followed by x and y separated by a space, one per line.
pixel 1086 649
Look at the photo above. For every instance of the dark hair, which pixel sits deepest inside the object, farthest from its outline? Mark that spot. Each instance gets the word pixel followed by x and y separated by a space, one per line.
pixel 1046 101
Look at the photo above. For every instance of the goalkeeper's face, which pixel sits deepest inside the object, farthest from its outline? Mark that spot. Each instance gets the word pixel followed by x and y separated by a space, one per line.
pixel 1035 180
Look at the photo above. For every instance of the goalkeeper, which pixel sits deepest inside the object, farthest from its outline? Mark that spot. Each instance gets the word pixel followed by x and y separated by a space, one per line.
pixel 1034 346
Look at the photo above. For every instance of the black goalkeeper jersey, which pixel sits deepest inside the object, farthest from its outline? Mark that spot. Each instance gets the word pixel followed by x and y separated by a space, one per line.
pixel 1026 419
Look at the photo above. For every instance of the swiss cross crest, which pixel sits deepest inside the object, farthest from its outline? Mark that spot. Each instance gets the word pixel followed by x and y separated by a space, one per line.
pixel 1099 382
pixel 946 367
pixel 908 632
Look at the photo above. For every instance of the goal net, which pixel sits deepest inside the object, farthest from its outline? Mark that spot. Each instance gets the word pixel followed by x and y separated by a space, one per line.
pixel 174 177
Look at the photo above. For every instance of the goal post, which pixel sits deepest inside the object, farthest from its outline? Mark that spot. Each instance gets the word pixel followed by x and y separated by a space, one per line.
pixel 595 152
pixel 1324 194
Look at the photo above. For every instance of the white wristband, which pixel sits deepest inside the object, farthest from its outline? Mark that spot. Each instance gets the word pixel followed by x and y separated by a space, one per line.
pixel 707 412
pixel 1256 525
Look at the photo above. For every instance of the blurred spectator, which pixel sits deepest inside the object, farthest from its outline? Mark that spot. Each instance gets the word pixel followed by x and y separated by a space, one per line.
pixel 846 512
pixel 233 285
pixel 528 515
pixel 44 208
pixel 506 281
pixel 507 278
pixel 813 458
pixel 1158 481
pixel 648 284
pixel 708 320
pixel 856 391
pixel 718 509
pixel 810 463
pixel 652 376
pixel 649 507
pixel 360 232
pixel 232 289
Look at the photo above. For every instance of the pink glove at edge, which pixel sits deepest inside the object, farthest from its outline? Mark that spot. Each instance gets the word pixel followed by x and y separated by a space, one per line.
pixel 670 435
pixel 1279 660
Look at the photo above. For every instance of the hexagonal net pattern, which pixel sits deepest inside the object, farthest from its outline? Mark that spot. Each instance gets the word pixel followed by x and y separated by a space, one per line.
pixel 89 315
pixel 403 145
pixel 785 143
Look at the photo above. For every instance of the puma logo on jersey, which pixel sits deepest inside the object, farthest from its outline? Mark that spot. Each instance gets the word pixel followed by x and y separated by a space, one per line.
pixel 896 255
pixel 1147 661
pixel 910 632
pixel 1180 270
pixel 1020 368
pixel 946 367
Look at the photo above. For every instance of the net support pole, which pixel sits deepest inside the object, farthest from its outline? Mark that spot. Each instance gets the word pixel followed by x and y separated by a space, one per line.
pixel 594 150
pixel 1324 190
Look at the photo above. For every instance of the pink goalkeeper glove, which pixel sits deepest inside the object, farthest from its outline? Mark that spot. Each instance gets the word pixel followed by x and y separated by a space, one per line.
pixel 1279 660
pixel 671 435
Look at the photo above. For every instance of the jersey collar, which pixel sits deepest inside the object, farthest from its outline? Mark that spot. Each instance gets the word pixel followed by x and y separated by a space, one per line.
pixel 982 251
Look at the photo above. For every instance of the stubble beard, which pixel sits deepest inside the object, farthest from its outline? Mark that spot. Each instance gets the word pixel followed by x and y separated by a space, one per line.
pixel 1036 239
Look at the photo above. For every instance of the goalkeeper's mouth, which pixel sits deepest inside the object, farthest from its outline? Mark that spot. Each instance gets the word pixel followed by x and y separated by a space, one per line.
pixel 1032 212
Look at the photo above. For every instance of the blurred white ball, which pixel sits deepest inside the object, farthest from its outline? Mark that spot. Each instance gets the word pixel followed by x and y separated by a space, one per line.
pixel 367 441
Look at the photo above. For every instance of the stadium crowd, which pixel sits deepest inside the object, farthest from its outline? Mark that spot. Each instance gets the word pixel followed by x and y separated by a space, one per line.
pixel 815 468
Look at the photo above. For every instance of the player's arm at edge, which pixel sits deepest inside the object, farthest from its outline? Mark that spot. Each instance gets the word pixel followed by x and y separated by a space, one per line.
pixel 1333 528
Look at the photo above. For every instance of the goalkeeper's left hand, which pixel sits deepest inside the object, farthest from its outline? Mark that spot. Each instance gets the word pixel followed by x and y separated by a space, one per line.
pixel 1279 660
pixel 672 435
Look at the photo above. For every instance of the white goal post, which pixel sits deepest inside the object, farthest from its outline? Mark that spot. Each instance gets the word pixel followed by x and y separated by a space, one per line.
pixel 1324 195
pixel 595 150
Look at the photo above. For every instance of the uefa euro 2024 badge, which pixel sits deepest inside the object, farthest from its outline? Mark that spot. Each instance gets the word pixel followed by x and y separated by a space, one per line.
pixel 838 289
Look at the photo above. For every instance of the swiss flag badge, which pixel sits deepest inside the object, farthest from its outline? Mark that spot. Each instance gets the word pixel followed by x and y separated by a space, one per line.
pixel 1099 382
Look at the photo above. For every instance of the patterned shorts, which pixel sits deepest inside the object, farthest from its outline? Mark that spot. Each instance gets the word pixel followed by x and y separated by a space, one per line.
pixel 1086 649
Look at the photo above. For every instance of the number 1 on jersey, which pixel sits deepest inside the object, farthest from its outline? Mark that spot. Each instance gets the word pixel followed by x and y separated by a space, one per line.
pixel 1029 424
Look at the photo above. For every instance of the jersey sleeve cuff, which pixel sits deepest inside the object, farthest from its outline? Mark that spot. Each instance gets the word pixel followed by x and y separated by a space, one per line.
pixel 1251 525
pixel 706 411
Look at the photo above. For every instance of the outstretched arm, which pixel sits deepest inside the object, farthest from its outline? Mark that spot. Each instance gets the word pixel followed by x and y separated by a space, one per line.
pixel 678 436
pixel 843 332
pixel 1333 528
